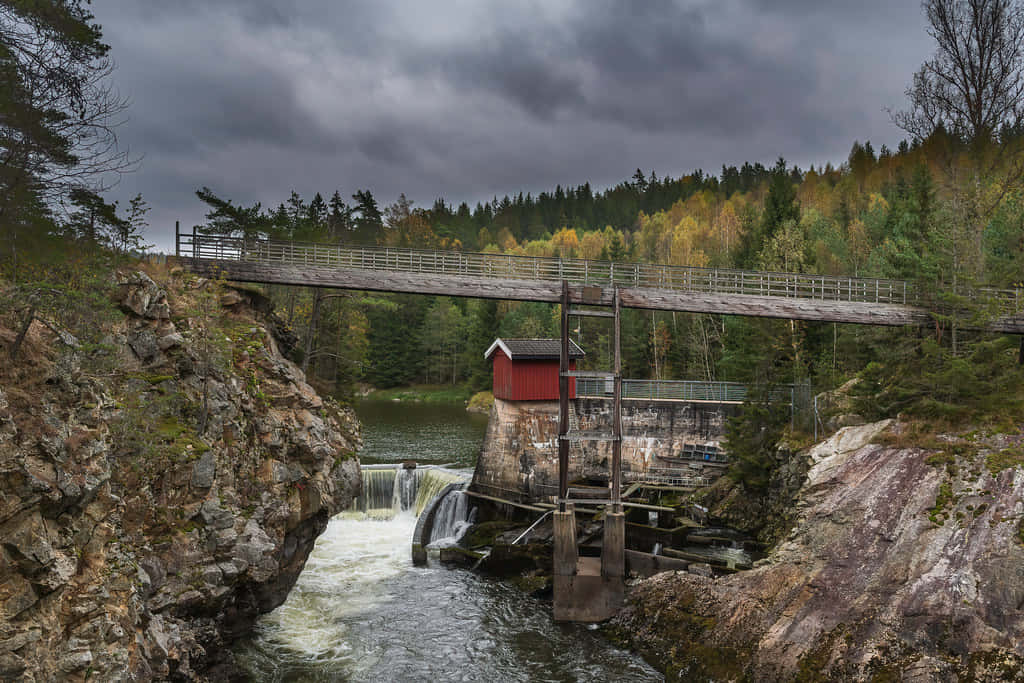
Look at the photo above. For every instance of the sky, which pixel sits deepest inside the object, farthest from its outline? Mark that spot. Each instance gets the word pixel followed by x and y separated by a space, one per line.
pixel 469 99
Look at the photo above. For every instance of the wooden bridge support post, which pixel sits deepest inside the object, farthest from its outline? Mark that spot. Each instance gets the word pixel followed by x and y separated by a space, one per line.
pixel 566 554
pixel 616 472
pixel 613 549
pixel 563 400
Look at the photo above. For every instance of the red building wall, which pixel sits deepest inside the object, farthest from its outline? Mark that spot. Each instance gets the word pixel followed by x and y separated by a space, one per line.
pixel 528 380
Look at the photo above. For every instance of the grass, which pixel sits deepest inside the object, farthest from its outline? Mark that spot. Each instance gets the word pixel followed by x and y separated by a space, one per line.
pixel 1005 459
pixel 938 514
pixel 423 393
pixel 481 402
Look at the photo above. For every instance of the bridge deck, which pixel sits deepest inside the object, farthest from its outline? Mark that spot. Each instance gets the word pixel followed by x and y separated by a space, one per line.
pixel 794 296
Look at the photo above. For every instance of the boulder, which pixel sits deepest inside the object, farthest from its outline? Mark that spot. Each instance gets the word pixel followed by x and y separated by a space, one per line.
pixel 204 470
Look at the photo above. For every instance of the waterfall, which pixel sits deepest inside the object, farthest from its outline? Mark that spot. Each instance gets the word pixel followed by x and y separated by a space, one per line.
pixel 377 499
pixel 406 484
pixel 452 519
pixel 389 490
pixel 433 481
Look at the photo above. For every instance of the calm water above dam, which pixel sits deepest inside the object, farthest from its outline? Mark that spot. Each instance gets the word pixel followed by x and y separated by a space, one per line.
pixel 361 612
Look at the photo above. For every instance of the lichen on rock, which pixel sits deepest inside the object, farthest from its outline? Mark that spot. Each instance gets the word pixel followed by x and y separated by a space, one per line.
pixel 869 585
pixel 151 513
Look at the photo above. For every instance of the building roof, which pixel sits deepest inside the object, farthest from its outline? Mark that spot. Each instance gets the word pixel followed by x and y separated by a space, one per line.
pixel 534 349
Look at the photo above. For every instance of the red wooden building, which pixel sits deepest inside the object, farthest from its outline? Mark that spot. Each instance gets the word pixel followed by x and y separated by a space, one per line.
pixel 527 369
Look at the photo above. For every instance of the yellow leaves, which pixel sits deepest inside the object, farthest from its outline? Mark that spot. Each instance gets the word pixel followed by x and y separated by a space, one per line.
pixel 728 225
pixel 505 240
pixel 674 237
pixel 591 245
pixel 859 243
pixel 877 202
pixel 413 230
pixel 785 250
pixel 685 238
pixel 565 242
pixel 538 248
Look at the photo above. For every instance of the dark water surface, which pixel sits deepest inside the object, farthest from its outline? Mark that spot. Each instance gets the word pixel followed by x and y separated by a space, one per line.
pixel 361 612
pixel 434 434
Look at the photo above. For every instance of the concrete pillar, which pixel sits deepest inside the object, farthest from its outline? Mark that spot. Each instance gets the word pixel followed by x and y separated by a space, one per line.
pixel 613 551
pixel 565 542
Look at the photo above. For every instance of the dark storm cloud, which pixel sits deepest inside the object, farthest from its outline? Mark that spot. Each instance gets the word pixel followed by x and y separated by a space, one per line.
pixel 471 99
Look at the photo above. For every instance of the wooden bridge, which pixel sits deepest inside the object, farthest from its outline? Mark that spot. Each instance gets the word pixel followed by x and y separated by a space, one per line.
pixel 793 296
pixel 586 588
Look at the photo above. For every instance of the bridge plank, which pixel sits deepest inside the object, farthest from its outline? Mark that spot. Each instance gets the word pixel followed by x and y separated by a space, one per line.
pixel 549 291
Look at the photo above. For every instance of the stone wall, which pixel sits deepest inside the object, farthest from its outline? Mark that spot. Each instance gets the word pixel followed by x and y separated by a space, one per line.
pixel 519 459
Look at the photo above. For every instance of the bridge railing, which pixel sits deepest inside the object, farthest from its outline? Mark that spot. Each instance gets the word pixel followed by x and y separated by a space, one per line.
pixel 507 266
pixel 676 390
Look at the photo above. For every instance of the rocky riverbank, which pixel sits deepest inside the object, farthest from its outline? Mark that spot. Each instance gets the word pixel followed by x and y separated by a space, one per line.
pixel 159 492
pixel 902 563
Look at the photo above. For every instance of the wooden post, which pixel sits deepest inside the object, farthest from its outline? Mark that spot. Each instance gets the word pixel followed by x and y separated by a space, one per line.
pixel 617 412
pixel 177 238
pixel 563 399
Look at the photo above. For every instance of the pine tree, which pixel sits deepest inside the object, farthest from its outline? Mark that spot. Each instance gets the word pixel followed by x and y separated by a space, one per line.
pixel 368 221
pixel 339 219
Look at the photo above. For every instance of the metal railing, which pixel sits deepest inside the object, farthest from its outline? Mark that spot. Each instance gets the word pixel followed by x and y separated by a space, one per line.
pixel 506 266
pixel 700 453
pixel 668 477
pixel 676 390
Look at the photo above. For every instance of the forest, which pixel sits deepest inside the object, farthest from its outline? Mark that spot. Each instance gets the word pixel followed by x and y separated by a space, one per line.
pixel 943 210
pixel 919 213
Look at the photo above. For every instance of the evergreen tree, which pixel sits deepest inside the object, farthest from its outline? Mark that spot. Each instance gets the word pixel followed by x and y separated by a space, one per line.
pixel 339 218
pixel 368 220
pixel 483 328
pixel 57 114
pixel 95 220
pixel 780 205
pixel 226 218
pixel 317 212
pixel 128 235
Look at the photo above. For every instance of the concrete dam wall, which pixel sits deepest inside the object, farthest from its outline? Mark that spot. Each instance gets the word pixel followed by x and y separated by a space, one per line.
pixel 519 458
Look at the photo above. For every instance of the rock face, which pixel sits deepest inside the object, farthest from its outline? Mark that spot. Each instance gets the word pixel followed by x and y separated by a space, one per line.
pixel 149 514
pixel 520 453
pixel 903 564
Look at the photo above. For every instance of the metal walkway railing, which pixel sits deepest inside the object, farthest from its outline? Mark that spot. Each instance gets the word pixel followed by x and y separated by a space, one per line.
pixel 506 266
pixel 677 390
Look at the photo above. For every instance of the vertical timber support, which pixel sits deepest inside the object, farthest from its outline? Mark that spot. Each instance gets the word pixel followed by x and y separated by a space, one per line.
pixel 565 541
pixel 616 473
pixel 613 549
pixel 563 401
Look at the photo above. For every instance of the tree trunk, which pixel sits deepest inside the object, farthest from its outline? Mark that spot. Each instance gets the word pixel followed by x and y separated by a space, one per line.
pixel 311 332
pixel 291 306
pixel 204 413
pixel 32 314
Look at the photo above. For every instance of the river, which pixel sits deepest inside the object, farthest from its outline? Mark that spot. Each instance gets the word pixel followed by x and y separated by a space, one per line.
pixel 361 611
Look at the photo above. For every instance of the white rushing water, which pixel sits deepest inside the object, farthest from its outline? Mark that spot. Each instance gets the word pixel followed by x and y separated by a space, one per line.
pixel 452 520
pixel 390 490
pixel 360 610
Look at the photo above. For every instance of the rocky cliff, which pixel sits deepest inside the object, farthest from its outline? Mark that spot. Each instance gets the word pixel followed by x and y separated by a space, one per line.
pixel 904 563
pixel 160 491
